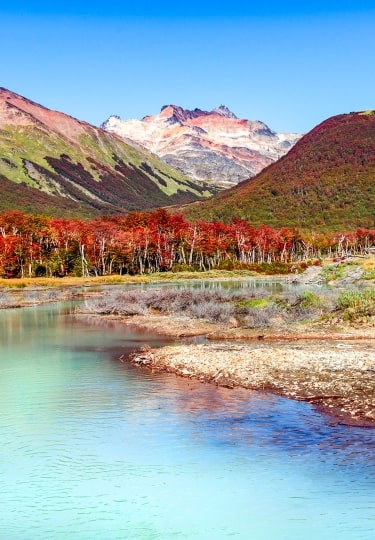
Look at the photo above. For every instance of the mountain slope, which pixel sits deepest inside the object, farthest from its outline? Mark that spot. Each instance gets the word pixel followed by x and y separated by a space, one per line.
pixel 327 182
pixel 68 167
pixel 211 146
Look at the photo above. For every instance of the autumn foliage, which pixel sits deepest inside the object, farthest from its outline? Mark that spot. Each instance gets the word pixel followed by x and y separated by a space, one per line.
pixel 143 242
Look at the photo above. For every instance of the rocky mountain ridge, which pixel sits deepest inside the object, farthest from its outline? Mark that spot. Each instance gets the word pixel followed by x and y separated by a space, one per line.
pixel 213 146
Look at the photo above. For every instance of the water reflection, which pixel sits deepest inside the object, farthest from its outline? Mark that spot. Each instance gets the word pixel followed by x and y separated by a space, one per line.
pixel 96 448
pixel 267 285
pixel 244 419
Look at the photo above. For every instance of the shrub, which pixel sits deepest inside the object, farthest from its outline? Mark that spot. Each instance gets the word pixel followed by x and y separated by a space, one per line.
pixel 309 299
pixel 260 317
pixel 116 306
pixel 211 311
pixel 275 268
pixel 299 306
pixel 176 268
pixel 333 272
pixel 356 304
pixel 40 271
pixel 369 274
pixel 357 299
pixel 226 265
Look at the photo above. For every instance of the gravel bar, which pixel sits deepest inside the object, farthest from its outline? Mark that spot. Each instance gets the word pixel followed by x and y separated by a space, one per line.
pixel 337 377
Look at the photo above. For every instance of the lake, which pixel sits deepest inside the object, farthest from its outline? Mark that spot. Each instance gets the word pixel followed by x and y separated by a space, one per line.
pixel 94 448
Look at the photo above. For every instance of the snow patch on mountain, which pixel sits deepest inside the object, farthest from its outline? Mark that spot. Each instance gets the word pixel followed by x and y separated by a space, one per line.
pixel 211 146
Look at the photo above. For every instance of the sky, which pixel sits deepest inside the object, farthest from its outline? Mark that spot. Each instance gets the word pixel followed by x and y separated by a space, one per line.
pixel 290 64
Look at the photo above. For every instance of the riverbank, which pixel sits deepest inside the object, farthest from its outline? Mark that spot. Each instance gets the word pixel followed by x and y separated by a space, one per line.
pixel 25 292
pixel 72 281
pixel 331 368
pixel 336 376
pixel 312 346
pixel 316 345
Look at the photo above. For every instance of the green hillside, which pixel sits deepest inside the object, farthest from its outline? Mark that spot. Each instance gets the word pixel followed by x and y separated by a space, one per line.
pixel 326 182
pixel 56 164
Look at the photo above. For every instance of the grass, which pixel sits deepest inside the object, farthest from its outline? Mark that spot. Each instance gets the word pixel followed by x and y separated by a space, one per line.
pixel 251 308
pixel 368 266
pixel 361 310
pixel 369 274
pixel 253 303
pixel 333 272
pixel 103 151
pixel 359 300
pixel 355 305
pixel 21 283
pixel 13 298
pixel 308 299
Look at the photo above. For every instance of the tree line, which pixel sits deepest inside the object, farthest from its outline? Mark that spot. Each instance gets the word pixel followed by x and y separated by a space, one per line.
pixel 145 242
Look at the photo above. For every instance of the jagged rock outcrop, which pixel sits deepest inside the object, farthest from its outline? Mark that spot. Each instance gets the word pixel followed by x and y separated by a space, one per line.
pixel 211 146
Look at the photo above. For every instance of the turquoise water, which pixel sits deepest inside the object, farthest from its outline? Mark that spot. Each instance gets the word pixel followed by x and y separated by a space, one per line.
pixel 92 448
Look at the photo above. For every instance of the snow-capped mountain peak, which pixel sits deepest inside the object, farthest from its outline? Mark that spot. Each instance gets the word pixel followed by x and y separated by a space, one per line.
pixel 206 145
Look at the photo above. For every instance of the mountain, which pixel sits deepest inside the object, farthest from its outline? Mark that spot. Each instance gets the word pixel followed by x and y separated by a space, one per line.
pixel 211 146
pixel 55 164
pixel 326 182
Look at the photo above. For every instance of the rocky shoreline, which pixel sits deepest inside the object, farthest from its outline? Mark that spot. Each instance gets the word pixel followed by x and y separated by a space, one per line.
pixel 336 375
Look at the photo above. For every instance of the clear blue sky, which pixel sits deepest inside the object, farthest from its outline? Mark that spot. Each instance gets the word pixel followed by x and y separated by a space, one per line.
pixel 290 64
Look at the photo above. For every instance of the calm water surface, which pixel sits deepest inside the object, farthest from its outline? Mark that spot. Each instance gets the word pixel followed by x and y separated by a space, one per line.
pixel 92 448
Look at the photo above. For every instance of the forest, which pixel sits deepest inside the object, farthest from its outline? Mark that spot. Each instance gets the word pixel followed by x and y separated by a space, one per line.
pixel 147 242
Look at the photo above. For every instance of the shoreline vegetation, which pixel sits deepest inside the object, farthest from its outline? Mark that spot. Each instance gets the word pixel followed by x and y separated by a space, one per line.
pixel 314 344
